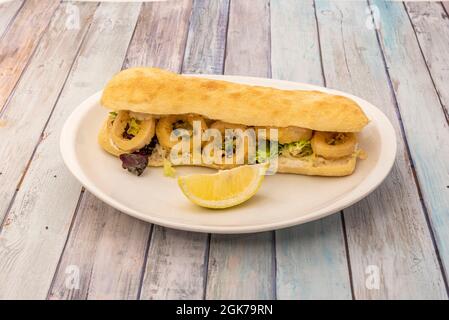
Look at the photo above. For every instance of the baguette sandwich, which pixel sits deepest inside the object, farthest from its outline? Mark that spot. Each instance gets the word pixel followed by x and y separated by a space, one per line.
pixel 315 133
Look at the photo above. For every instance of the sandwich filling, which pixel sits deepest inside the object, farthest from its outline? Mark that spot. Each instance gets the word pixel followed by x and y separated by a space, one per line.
pixel 142 140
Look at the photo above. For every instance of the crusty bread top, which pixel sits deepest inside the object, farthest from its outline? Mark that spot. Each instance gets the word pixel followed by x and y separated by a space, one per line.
pixel 156 91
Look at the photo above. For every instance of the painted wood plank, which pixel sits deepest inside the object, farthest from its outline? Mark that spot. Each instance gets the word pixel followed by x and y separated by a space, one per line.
pixel 20 40
pixel 169 25
pixel 22 124
pixel 176 266
pixel 48 197
pixel 431 25
pixel 310 259
pixel 103 241
pixel 422 117
pixel 242 266
pixel 387 231
pixel 8 11
pixel 445 4
pixel 207 37
pixel 248 42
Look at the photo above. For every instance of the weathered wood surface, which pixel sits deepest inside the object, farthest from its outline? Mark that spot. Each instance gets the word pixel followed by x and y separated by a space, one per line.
pixel 51 229
pixel 116 238
pixel 207 37
pixel 22 125
pixel 8 11
pixel 431 25
pixel 387 229
pixel 177 260
pixel 49 194
pixel 18 43
pixel 310 259
pixel 242 266
pixel 422 117
pixel 107 248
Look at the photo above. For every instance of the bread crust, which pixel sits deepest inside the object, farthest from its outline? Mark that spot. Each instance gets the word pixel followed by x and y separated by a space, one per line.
pixel 160 92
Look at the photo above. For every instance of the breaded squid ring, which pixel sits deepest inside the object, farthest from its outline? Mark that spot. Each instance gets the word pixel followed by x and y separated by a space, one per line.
pixel 166 125
pixel 287 134
pixel 222 126
pixel 332 145
pixel 143 137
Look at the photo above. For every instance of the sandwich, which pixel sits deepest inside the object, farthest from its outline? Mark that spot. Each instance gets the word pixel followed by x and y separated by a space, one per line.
pixel 307 132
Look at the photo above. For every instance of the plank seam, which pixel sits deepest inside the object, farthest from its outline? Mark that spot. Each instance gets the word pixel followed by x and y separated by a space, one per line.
pixel 226 38
pixel 181 68
pixel 348 258
pixel 12 20
pixel 41 137
pixel 273 233
pixel 274 266
pixel 206 265
pixel 72 223
pixel 145 261
pixel 45 30
pixel 410 159
pixel 425 63
pixel 125 60
pixel 270 69
pixel 444 8
pixel 319 44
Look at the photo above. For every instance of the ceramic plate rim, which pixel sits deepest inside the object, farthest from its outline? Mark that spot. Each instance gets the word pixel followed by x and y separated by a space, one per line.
pixel 387 154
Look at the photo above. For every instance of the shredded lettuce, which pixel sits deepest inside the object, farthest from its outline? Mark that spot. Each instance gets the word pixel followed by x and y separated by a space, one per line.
pixel 300 148
pixel 134 127
pixel 169 171
pixel 264 156
pixel 113 115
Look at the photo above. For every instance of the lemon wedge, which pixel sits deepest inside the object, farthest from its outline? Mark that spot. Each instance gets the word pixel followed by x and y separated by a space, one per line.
pixel 224 189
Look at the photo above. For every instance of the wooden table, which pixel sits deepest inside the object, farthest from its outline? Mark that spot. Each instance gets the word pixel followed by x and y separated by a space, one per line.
pixel 58 241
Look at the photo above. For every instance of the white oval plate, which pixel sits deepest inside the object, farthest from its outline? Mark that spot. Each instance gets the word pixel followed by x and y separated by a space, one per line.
pixel 283 200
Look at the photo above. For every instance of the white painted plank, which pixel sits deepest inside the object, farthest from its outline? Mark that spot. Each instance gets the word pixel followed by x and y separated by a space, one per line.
pixel 310 259
pixel 431 25
pixel 29 252
pixel 8 11
pixel 388 229
pixel 108 248
pixel 176 265
pixel 242 266
pixel 29 108
pixel 168 23
pixel 18 43
pixel 248 42
pixel 207 37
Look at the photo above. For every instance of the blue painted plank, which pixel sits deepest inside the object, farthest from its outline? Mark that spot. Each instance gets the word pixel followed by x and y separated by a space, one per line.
pixel 387 232
pixel 423 118
pixel 311 259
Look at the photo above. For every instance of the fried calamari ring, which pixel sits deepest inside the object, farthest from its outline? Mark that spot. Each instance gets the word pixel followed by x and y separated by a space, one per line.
pixel 333 144
pixel 166 125
pixel 222 126
pixel 287 134
pixel 142 138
